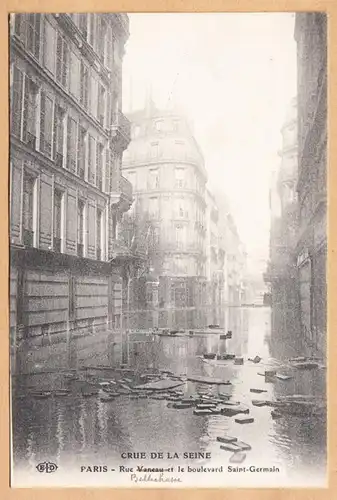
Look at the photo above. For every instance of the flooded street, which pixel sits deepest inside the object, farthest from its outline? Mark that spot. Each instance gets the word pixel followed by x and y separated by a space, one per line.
pixel 71 431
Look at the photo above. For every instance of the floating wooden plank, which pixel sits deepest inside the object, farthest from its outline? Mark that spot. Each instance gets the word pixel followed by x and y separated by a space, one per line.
pixel 182 406
pixel 307 365
pixel 237 458
pixel 226 439
pixel 257 402
pixel 202 412
pixel 258 391
pixel 244 420
pixel 243 446
pixel 160 385
pixel 280 376
pixel 230 447
pixel 238 361
pixel 208 380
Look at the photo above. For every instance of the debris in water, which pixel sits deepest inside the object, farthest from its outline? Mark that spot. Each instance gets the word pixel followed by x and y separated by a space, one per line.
pixel 226 439
pixel 238 361
pixel 257 402
pixel 244 420
pixel 280 376
pixel 237 458
pixel 202 412
pixel 258 391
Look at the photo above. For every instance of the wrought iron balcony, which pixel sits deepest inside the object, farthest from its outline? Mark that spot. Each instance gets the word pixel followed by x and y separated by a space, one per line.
pixel 122 193
pixel 121 128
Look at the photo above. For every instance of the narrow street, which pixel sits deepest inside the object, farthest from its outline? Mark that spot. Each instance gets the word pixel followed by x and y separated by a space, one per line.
pixel 75 431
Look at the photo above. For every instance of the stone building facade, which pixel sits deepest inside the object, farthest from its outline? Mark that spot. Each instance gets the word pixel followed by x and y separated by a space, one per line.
pixel 282 268
pixel 166 169
pixel 67 137
pixel 311 38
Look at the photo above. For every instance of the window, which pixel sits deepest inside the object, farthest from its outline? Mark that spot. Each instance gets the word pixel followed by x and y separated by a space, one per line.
pixel 34 34
pixel 102 39
pixel 74 69
pixel 99 234
pixel 179 148
pixel 153 208
pixel 49 47
pixel 46 124
pixel 81 153
pixel 28 208
pixel 59 135
pixel 180 212
pixel 84 85
pixel 80 228
pixel 179 235
pixel 62 61
pixel 159 125
pixel 153 180
pixel 176 124
pixel 30 112
pixel 156 236
pixel 108 52
pixel 72 298
pixel 179 177
pixel 20 24
pixel 71 144
pixel 58 216
pixel 91 160
pixel 114 226
pixel 154 150
pixel 101 104
pixel 91 33
pixel 83 24
pixel 99 168
pixel 17 104
pixel 131 176
pixel 136 131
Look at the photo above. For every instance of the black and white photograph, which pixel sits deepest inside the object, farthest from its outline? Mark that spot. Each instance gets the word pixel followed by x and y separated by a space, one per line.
pixel 168 249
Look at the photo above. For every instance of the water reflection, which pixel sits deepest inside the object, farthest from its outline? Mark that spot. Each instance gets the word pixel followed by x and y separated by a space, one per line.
pixel 73 430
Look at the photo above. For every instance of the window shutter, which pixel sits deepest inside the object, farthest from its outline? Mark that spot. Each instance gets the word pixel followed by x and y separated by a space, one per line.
pixel 16 102
pixel 49 47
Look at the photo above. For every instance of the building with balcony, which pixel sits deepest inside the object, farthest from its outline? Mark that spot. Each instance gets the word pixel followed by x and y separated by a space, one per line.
pixel 311 250
pixel 67 137
pixel 166 169
pixel 281 272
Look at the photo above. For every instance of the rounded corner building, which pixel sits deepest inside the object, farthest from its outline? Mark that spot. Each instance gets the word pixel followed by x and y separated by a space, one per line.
pixel 166 169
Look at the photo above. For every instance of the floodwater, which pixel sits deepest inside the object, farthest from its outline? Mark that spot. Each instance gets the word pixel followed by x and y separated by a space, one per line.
pixel 72 431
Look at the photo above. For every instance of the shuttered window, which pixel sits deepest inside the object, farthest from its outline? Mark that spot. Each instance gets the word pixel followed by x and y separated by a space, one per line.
pixel 17 102
pixel 46 124
pixel 62 61
pixel 30 112
pixel 71 144
pixel 34 34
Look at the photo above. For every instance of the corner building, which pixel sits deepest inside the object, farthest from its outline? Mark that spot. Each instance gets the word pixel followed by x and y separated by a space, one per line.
pixel 166 169
pixel 67 136
pixel 311 38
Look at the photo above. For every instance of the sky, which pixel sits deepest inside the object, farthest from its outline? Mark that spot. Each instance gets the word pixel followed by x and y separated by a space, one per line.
pixel 233 75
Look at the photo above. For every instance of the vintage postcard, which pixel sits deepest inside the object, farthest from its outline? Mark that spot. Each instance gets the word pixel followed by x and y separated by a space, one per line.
pixel 168 249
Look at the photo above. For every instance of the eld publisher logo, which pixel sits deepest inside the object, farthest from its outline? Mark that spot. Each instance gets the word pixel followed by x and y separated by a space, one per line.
pixel 47 467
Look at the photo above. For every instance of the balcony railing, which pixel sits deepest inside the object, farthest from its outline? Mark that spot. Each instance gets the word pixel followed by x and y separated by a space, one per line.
pixel 28 238
pixel 80 249
pixel 57 244
pixel 125 188
pixel 122 125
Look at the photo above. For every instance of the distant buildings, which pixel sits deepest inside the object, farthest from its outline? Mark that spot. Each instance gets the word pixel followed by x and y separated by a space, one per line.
pixel 67 193
pixel 311 38
pixel 166 168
